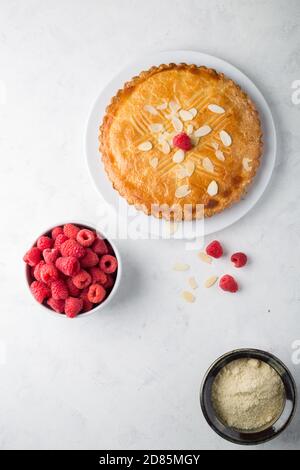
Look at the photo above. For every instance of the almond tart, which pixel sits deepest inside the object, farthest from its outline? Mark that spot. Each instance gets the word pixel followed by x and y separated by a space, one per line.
pixel 181 141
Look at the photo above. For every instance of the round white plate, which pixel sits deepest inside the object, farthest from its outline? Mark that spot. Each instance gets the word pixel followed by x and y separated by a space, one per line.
pixel 160 228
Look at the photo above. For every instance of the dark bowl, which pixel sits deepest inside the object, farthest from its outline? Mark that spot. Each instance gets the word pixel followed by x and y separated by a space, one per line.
pixel 253 437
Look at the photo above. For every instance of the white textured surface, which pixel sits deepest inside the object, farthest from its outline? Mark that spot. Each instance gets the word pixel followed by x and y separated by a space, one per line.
pixel 129 377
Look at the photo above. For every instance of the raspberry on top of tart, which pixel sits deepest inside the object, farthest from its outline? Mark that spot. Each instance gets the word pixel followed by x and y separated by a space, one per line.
pixel 180 136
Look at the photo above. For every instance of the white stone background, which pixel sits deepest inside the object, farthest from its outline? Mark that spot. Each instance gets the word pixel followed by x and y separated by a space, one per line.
pixel 129 377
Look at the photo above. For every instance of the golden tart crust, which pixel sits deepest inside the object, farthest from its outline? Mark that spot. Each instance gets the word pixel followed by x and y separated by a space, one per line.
pixel 138 129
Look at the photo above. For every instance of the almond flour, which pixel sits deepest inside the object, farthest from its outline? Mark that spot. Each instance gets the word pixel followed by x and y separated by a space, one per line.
pixel 248 394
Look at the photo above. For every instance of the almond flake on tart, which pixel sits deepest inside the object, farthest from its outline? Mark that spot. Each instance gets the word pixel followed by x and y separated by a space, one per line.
pixel 142 120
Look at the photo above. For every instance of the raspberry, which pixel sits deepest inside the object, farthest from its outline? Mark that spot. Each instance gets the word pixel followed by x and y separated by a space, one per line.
pixel 182 141
pixel 44 242
pixel 74 291
pixel 87 305
pixel 99 246
pixel 68 265
pixel 109 283
pixel 50 255
pixel 228 283
pixel 70 230
pixel 82 279
pixel 85 237
pixel 98 275
pixel 37 270
pixel 90 259
pixel 59 290
pixel 239 259
pixel 39 291
pixel 58 305
pixel 56 231
pixel 59 240
pixel 96 293
pixel 72 248
pixel 33 256
pixel 49 273
pixel 214 249
pixel 73 306
pixel 108 264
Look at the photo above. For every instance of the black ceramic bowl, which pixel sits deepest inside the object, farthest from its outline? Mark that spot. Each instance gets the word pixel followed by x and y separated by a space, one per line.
pixel 253 437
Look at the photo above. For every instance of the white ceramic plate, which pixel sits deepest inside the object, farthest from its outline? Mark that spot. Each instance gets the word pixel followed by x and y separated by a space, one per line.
pixel 158 228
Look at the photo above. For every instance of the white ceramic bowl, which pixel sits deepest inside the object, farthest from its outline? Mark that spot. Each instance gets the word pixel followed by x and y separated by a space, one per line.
pixel 112 293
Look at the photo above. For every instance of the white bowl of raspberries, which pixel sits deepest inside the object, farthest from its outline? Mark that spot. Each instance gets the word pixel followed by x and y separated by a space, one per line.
pixel 73 270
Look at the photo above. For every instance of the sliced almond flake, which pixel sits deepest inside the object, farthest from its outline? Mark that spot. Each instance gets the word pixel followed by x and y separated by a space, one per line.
pixel 181 267
pixel 182 191
pixel 156 127
pixel 150 109
pixel 166 148
pixel 226 139
pixel 178 156
pixel 188 296
pixel 215 145
pixel 182 173
pixel 189 129
pixel 246 164
pixel 190 167
pixel 204 257
pixel 193 111
pixel 207 164
pixel 192 282
pixel 154 162
pixel 145 146
pixel 177 124
pixel 185 115
pixel 162 106
pixel 220 155
pixel 202 131
pixel 212 188
pixel 210 281
pixel 174 106
pixel 215 108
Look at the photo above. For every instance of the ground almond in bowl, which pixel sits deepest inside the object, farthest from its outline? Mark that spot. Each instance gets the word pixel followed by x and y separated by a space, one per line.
pixel 248 395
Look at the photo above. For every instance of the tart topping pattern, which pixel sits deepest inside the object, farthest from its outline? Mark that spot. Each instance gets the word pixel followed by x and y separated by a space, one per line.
pixel 184 139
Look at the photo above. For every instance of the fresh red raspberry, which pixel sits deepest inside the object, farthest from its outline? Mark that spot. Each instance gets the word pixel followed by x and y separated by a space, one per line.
pixel 49 273
pixel 74 291
pixel 39 291
pixel 90 259
pixel 68 265
pixel 98 275
pixel 99 246
pixel 56 231
pixel 82 279
pixel 108 264
pixel 59 290
pixel 73 306
pixel 228 283
pixel 44 242
pixel 96 293
pixel 33 256
pixel 37 270
pixel 87 305
pixel 109 283
pixel 214 249
pixel 182 141
pixel 50 255
pixel 72 248
pixel 59 240
pixel 58 305
pixel 85 237
pixel 239 259
pixel 70 230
